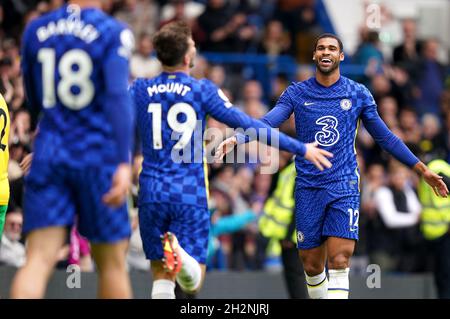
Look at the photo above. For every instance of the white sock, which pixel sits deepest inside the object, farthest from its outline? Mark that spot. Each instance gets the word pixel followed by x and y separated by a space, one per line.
pixel 190 275
pixel 317 285
pixel 163 289
pixel 338 287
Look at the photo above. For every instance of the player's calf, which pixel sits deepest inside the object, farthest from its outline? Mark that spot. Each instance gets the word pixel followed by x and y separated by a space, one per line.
pixel 314 266
pixel 340 251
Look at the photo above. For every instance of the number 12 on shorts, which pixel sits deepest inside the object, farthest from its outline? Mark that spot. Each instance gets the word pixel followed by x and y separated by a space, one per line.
pixel 353 219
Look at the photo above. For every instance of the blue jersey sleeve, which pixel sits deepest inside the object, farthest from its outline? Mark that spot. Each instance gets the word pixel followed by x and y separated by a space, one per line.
pixel 281 111
pixel 221 109
pixel 277 116
pixel 118 102
pixel 381 133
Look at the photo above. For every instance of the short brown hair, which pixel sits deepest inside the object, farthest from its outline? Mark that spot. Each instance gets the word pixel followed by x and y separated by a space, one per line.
pixel 171 42
pixel 329 35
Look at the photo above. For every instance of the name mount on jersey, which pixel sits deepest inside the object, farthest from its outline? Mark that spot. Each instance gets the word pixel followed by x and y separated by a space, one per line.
pixel 173 87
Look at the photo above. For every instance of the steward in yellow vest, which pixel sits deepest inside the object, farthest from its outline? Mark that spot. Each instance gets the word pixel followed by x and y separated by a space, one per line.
pixel 435 216
pixel 435 221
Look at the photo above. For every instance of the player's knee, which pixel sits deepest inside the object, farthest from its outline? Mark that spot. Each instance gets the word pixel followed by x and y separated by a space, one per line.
pixel 312 266
pixel 339 261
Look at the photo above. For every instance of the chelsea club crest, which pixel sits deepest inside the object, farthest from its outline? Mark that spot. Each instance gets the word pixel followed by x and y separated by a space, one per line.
pixel 346 104
pixel 300 237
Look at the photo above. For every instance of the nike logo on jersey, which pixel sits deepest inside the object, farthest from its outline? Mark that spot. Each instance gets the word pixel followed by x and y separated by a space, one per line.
pixel 309 103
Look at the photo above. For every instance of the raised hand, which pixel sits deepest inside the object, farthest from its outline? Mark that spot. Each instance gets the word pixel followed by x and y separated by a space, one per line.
pixel 432 179
pixel 224 148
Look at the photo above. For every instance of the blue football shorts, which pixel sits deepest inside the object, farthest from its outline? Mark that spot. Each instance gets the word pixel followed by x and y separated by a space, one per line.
pixel 189 223
pixel 55 195
pixel 321 213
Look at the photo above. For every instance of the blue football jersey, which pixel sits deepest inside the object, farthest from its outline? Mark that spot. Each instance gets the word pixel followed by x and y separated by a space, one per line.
pixel 75 68
pixel 330 116
pixel 171 112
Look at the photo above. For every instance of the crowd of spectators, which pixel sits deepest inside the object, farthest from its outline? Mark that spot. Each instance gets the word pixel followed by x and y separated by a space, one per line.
pixel 409 87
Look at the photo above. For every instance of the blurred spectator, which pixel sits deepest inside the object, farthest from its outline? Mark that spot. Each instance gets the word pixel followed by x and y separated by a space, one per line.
pixel 216 26
pixel 200 69
pixel 222 222
pixel 12 251
pixel 303 73
pixel 252 91
pixel 185 10
pixel 279 84
pixel 432 144
pixel 380 86
pixel 216 74
pixel 399 209
pixel 142 63
pixel 430 81
pixel 369 54
pixel 435 220
pixel 408 52
pixel 402 85
pixel 410 127
pixel 388 109
pixel 21 128
pixel 278 224
pixel 299 18
pixel 141 16
pixel 275 41
pixel 447 134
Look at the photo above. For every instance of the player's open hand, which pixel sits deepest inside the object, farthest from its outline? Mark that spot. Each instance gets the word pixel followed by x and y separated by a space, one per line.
pixel 436 182
pixel 432 179
pixel 224 148
pixel 318 156
pixel 25 164
pixel 121 183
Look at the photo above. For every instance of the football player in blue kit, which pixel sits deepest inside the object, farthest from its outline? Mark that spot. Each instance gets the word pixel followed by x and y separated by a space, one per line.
pixel 75 70
pixel 328 109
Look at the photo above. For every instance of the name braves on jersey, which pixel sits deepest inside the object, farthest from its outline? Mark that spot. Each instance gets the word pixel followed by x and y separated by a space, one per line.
pixel 63 63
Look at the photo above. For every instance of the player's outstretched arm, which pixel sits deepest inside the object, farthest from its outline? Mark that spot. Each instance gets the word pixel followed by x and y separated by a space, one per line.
pixel 313 153
pixel 431 178
pixel 395 146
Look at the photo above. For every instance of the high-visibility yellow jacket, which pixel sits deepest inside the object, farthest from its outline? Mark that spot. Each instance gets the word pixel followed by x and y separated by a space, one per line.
pixel 279 208
pixel 435 216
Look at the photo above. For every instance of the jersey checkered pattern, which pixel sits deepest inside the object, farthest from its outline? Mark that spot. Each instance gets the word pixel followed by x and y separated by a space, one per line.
pixel 164 179
pixel 74 137
pixel 330 116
